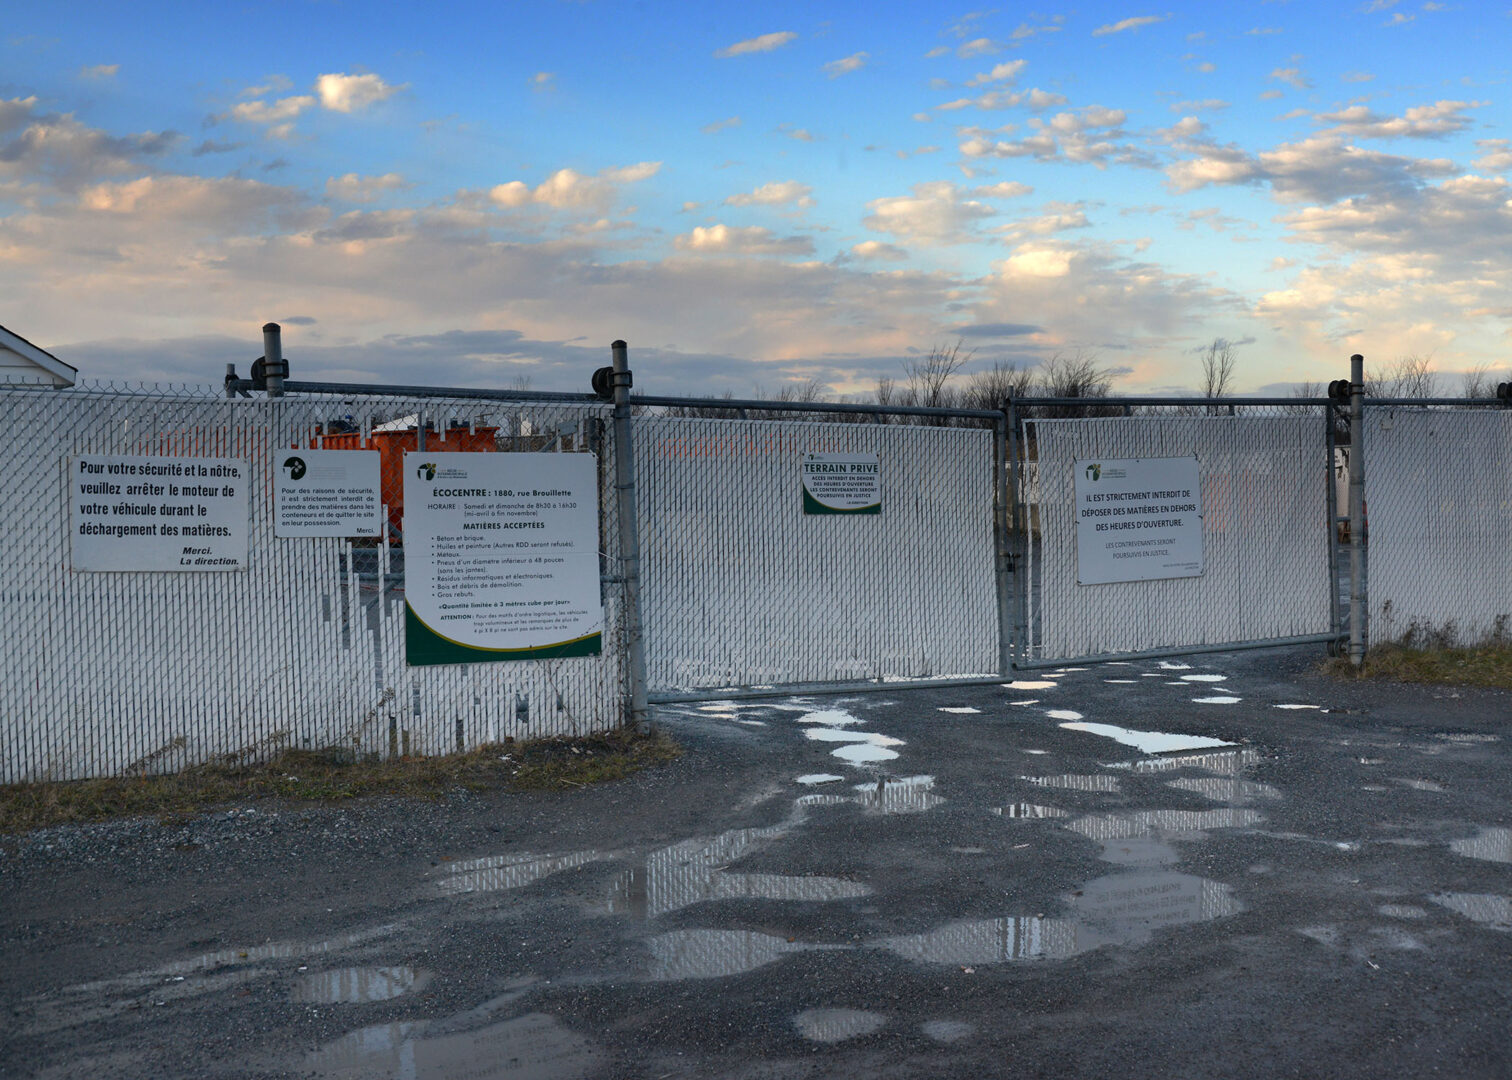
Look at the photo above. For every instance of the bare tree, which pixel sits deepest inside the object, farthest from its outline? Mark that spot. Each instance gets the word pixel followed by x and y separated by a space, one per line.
pixel 929 376
pixel 1482 381
pixel 1074 375
pixel 990 388
pixel 1218 363
pixel 1410 376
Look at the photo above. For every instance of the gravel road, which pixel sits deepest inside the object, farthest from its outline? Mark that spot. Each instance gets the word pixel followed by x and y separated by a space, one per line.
pixel 1218 866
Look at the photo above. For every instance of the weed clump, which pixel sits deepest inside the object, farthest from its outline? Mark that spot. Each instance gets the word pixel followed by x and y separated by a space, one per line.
pixel 336 775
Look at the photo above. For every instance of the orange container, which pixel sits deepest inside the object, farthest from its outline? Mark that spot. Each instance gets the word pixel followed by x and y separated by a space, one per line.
pixel 393 445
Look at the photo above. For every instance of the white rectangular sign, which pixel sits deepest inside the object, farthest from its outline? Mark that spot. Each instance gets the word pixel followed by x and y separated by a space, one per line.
pixel 158 513
pixel 327 493
pixel 501 557
pixel 842 484
pixel 1138 519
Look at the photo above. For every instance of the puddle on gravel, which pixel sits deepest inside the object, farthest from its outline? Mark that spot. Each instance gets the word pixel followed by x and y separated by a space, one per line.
pixel 1031 684
pixel 1077 782
pixel 1164 823
pixel 1218 699
pixel 835 718
pixel 1493 845
pixel 495 873
pixel 713 954
pixel 357 985
pixel 1291 706
pixel 1063 714
pixel 958 709
pixel 1030 811
pixel 1120 909
pixel 1487 909
pixel 1402 911
pixel 864 753
pixel 810 779
pixel 1031 701
pixel 891 795
pixel 1225 789
pixel 1167 665
pixel 696 871
pixel 1418 785
pixel 1223 762
pixel 207 973
pixel 530 1047
pixel 1457 738
pixel 1148 742
pixel 837 1025
pixel 947 1031
pixel 845 735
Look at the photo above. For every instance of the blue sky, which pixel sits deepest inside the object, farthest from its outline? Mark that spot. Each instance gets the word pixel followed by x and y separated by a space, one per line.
pixel 759 195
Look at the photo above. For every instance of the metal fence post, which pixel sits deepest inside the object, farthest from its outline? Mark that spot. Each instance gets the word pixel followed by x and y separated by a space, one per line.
pixel 1357 630
pixel 1004 561
pixel 1019 535
pixel 275 367
pixel 629 533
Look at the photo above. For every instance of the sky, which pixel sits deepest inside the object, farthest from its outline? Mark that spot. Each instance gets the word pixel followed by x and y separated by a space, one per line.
pixel 756 196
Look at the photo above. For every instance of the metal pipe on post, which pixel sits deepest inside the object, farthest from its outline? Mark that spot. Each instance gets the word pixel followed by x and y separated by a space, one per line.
pixel 1357 636
pixel 274 365
pixel 629 532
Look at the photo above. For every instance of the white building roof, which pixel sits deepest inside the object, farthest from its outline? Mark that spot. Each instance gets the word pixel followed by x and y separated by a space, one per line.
pixel 23 363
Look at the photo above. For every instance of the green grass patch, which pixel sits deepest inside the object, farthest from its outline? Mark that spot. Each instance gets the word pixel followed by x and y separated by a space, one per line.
pixel 316 776
pixel 1483 665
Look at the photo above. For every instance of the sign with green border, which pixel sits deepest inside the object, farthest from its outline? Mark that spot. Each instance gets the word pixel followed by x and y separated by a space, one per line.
pixel 842 484
pixel 501 557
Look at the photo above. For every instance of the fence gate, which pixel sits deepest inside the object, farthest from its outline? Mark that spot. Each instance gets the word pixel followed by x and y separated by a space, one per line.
pixel 1265 541
pixel 743 588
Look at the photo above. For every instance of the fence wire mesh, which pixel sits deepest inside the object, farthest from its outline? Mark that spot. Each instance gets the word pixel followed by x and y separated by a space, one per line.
pixel 1264 531
pixel 742 588
pixel 1438 484
pixel 120 672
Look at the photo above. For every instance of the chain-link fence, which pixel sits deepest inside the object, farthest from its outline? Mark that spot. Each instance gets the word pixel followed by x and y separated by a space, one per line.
pixel 112 672
pixel 1439 485
pixel 745 585
pixel 1264 551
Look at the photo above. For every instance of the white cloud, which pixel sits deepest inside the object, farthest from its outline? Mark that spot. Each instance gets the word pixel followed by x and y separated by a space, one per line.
pixel 355 188
pixel 543 80
pixel 1008 189
pixel 1496 155
pixel 998 73
pixel 853 62
pixel 1292 77
pixel 775 194
pixel 978 47
pixel 719 125
pixel 271 112
pixel 764 43
pixel 936 213
pixel 568 189
pixel 876 249
pixel 65 152
pixel 1034 99
pixel 1422 121
pixel 733 240
pixel 349 93
pixel 1134 23
pixel 100 71
pixel 1323 168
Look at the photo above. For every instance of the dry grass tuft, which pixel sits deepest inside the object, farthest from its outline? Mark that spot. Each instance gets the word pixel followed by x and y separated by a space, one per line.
pixel 1482 665
pixel 315 776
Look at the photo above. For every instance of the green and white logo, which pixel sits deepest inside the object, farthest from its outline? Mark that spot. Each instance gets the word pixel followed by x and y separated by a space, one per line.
pixel 296 468
pixel 1094 471
pixel 427 471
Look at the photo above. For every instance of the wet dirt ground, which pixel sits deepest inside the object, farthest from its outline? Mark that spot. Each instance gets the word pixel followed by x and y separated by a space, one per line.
pixel 1218 866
